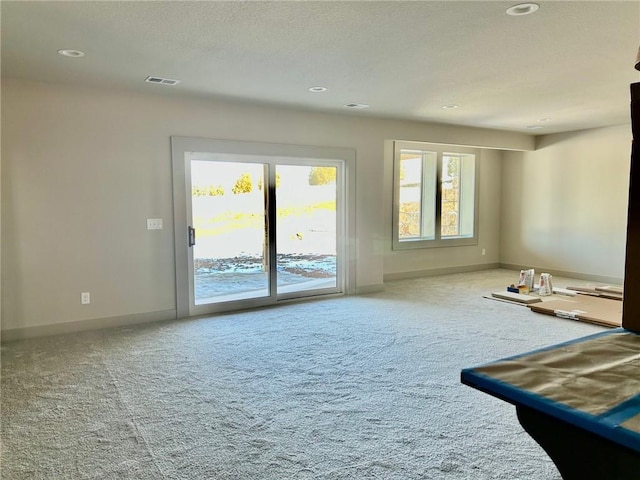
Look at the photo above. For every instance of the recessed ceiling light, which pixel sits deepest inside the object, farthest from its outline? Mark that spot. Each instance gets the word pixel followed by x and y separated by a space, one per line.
pixel 357 105
pixel 71 53
pixel 544 119
pixel 522 9
pixel 450 107
pixel 533 127
pixel 318 89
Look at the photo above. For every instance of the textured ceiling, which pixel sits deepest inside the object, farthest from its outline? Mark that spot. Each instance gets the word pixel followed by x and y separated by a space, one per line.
pixel 570 62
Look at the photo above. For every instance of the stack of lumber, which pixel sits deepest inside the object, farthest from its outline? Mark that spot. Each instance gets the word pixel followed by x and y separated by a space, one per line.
pixel 613 292
pixel 516 297
pixel 586 308
pixel 601 305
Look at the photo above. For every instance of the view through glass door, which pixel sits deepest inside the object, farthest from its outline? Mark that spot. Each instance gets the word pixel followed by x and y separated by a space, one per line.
pixel 262 230
pixel 307 228
pixel 229 237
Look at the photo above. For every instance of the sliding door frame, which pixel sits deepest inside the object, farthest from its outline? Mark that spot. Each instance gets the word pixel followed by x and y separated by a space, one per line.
pixel 180 146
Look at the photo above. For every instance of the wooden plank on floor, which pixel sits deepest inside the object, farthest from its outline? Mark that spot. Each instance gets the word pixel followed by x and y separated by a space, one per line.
pixel 516 297
pixel 585 308
pixel 606 291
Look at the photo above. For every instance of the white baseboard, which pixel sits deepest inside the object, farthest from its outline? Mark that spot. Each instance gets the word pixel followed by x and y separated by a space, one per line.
pixel 439 271
pixel 370 289
pixel 561 273
pixel 20 333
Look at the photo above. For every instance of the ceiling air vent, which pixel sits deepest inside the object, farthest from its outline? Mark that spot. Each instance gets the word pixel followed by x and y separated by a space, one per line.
pixel 162 81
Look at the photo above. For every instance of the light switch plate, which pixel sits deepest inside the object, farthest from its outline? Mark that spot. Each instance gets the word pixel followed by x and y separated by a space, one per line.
pixel 154 224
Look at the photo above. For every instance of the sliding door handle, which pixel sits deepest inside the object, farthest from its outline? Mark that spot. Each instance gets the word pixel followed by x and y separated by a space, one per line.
pixel 192 236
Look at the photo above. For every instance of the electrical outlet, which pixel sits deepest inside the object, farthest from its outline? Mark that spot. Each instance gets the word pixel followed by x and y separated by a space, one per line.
pixel 484 252
pixel 154 224
pixel 85 298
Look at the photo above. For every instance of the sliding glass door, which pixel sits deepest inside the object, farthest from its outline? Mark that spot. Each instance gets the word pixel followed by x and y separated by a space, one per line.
pixel 228 231
pixel 307 228
pixel 258 227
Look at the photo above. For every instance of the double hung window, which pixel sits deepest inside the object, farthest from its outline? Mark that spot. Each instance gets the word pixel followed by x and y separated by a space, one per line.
pixel 435 195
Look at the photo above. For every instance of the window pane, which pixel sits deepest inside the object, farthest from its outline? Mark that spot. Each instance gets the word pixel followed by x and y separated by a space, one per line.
pixel 467 195
pixel 417 196
pixel 410 214
pixel 429 182
pixel 450 200
pixel 458 195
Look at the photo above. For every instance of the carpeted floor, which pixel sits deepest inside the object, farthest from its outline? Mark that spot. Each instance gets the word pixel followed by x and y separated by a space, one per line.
pixel 363 387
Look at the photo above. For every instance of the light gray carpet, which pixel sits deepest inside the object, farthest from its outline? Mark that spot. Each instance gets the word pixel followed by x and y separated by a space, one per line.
pixel 362 387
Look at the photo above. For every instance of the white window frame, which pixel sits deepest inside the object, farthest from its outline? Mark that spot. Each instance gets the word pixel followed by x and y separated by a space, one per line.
pixel 437 240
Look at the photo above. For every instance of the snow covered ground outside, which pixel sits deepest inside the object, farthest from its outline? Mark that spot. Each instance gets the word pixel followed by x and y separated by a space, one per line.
pixel 215 277
pixel 230 241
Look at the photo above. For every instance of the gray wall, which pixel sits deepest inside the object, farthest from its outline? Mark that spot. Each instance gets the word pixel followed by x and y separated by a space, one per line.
pixel 564 205
pixel 82 170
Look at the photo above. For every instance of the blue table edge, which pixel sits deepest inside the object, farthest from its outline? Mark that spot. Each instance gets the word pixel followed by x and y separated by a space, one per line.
pixel 606 425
